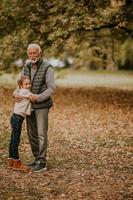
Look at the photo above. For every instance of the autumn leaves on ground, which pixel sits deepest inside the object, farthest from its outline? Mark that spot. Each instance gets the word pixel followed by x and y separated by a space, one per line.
pixel 90 148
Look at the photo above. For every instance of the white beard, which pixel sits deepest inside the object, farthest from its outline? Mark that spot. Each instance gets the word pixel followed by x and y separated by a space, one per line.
pixel 34 61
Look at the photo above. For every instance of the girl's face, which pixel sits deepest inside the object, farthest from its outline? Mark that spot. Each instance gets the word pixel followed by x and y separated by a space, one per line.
pixel 26 84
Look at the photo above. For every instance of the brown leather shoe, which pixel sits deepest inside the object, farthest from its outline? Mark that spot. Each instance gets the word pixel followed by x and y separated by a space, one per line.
pixel 10 162
pixel 19 166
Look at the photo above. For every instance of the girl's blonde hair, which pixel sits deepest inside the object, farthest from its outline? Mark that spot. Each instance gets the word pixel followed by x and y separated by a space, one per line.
pixel 21 80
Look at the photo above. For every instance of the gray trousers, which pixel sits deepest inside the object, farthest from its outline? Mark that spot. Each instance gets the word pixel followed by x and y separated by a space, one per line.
pixel 37 128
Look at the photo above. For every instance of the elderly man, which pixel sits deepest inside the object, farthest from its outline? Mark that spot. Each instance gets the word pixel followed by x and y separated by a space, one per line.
pixel 42 86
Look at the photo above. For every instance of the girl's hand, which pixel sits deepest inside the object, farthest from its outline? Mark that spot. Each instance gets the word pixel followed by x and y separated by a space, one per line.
pixel 33 98
pixel 18 98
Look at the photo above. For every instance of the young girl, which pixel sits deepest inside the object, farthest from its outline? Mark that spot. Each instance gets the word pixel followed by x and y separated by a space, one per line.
pixel 21 109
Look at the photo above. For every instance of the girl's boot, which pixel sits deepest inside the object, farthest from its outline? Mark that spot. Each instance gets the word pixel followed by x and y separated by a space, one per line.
pixel 18 165
pixel 10 162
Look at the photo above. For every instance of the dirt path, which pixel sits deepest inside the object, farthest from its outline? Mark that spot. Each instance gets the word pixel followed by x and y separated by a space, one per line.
pixel 116 80
pixel 90 148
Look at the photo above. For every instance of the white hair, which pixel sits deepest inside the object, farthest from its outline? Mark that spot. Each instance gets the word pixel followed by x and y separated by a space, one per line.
pixel 30 46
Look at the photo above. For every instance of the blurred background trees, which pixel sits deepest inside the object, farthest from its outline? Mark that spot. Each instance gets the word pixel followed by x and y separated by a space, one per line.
pixel 95 34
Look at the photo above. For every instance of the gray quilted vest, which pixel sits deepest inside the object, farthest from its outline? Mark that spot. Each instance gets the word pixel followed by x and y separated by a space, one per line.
pixel 38 83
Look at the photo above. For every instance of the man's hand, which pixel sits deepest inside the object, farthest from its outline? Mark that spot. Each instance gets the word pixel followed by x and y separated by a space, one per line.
pixel 33 98
pixel 18 98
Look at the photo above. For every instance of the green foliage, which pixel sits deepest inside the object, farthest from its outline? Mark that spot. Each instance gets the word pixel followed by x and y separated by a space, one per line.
pixel 62 28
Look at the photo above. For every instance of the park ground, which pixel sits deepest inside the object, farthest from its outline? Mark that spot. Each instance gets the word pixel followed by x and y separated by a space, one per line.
pixel 90 141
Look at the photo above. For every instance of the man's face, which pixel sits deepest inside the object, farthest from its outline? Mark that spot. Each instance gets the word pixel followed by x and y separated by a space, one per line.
pixel 33 55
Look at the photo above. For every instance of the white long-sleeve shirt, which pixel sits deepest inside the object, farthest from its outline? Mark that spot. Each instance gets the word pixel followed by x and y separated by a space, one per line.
pixel 22 108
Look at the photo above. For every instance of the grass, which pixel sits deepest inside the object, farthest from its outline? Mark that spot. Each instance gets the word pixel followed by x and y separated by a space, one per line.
pixel 82 77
